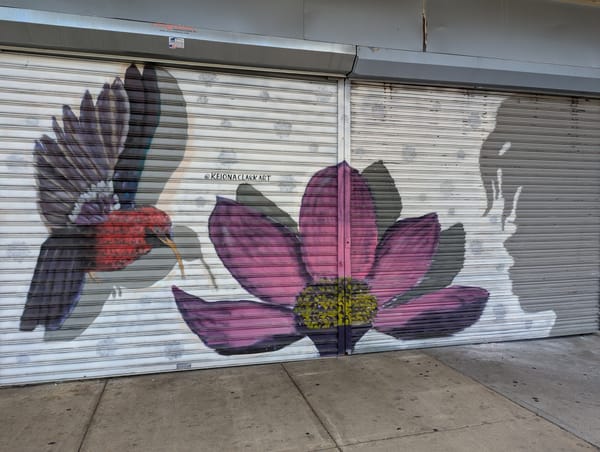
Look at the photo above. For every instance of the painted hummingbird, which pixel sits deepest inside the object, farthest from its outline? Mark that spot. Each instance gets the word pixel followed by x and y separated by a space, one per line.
pixel 87 180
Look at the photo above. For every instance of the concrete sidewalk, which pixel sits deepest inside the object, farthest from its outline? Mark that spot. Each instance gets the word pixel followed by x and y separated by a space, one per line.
pixel 406 400
pixel 558 379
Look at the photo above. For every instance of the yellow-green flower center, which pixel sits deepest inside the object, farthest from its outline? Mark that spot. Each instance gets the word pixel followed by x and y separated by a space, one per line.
pixel 335 302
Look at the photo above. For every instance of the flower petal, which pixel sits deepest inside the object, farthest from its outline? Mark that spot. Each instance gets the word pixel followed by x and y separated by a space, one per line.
pixel 437 314
pixel 262 255
pixel 319 224
pixel 236 327
pixel 363 225
pixel 403 256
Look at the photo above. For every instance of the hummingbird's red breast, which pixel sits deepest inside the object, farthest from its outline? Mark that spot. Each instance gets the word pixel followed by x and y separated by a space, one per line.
pixel 123 237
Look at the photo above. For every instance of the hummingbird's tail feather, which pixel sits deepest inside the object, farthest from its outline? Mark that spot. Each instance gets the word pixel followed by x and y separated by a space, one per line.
pixel 56 285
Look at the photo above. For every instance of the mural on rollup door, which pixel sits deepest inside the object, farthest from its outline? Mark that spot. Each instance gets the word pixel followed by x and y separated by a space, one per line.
pixel 156 228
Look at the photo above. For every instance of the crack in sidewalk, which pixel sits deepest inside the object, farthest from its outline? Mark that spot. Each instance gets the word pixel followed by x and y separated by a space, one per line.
pixel 311 408
pixel 91 419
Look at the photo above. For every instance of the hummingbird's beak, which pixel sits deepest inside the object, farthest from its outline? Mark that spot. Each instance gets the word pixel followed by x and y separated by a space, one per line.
pixel 171 244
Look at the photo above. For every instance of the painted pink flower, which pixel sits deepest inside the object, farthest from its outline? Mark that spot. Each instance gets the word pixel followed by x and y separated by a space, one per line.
pixel 296 275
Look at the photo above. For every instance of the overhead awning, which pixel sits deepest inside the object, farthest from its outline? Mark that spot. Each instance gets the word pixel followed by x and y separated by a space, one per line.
pixel 31 29
pixel 443 69
pixel 24 28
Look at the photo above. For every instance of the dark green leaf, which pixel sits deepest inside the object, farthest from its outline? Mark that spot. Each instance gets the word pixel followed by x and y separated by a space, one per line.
pixel 388 203
pixel 447 262
pixel 249 196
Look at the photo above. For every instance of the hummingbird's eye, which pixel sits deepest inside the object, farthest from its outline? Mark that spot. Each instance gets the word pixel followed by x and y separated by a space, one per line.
pixel 156 230
pixel 162 231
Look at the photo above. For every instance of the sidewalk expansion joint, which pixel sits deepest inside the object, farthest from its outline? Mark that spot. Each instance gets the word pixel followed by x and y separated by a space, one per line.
pixel 91 419
pixel 428 432
pixel 314 412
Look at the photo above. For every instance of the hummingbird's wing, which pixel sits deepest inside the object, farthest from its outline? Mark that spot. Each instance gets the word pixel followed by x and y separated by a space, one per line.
pixel 144 104
pixel 74 175
pixel 74 171
pixel 57 281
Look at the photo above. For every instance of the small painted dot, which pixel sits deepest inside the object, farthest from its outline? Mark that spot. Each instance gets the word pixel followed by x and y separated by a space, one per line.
pixel 409 153
pixel 173 350
pixel 378 109
pixel 200 201
pixel 264 95
pixel 474 120
pixel 287 184
pixel 227 157
pixel 106 347
pixel 499 312
pixel 207 77
pixel 283 128
pixel 23 359
pixel 476 247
